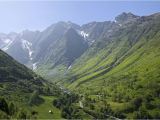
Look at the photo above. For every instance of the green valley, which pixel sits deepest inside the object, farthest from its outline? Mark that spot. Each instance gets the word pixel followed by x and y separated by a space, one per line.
pixel 98 70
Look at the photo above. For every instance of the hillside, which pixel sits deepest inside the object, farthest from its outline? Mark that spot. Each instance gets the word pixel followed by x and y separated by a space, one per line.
pixel 49 52
pixel 21 87
pixel 17 82
pixel 118 68
pixel 14 75
pixel 25 95
pixel 111 67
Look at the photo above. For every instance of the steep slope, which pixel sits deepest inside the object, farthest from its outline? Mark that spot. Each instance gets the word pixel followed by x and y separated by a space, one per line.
pixel 54 43
pixel 120 67
pixel 62 53
pixel 17 79
pixel 20 46
pixel 35 48
pixel 120 43
pixel 95 30
pixel 23 93
pixel 22 49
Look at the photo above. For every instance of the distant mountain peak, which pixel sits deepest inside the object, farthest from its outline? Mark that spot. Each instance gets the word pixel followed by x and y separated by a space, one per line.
pixel 68 24
pixel 126 17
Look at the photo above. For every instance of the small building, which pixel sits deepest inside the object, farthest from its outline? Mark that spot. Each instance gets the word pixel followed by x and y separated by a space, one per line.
pixel 50 111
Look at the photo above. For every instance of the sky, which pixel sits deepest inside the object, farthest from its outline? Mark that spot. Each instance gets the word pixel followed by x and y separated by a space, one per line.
pixel 37 15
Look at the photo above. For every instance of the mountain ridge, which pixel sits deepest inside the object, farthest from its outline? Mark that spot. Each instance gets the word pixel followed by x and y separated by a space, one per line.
pixel 36 37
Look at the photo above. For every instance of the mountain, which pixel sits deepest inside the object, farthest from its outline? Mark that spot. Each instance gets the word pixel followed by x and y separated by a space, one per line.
pixel 122 43
pixel 16 78
pixel 60 43
pixel 126 17
pixel 122 67
pixel 17 83
pixel 22 48
pixel 23 94
pixel 112 65
pixel 53 50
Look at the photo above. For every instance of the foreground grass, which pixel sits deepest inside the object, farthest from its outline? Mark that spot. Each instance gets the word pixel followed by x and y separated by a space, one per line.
pixel 43 109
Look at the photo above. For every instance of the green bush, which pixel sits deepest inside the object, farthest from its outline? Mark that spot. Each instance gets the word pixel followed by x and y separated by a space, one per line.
pixel 35 99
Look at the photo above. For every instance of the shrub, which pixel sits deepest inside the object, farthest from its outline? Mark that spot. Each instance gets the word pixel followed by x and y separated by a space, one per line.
pixel 22 115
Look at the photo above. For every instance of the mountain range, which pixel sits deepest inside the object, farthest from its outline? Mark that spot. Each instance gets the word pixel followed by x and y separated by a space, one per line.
pixel 57 45
pixel 110 61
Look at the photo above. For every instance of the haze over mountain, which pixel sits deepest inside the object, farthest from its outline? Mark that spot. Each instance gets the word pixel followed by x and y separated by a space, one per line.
pixel 110 62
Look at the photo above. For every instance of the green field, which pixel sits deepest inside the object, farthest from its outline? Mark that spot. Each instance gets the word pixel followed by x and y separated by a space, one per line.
pixel 43 109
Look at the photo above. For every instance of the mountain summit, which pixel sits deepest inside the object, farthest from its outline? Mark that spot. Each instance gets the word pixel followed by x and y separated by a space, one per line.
pixel 124 17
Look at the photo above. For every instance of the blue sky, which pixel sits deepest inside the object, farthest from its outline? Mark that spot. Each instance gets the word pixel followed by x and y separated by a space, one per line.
pixel 37 15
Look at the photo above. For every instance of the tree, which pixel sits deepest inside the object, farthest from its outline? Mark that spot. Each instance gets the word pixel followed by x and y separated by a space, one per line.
pixel 133 105
pixel 92 107
pixel 106 110
pixel 137 102
pixel 142 114
pixel 4 105
pixel 64 114
pixel 22 115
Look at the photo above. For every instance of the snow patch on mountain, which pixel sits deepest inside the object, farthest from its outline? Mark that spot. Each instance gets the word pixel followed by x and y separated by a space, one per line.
pixel 7 43
pixel 83 34
pixel 27 45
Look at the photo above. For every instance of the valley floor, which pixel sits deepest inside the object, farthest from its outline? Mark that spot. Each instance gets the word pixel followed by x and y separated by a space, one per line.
pixel 43 109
